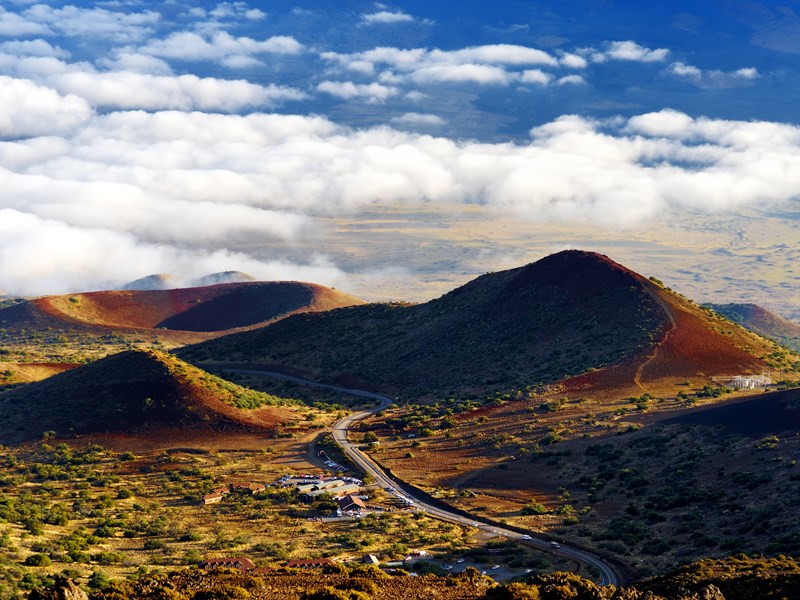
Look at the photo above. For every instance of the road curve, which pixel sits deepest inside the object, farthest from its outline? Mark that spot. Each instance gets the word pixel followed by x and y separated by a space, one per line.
pixel 608 575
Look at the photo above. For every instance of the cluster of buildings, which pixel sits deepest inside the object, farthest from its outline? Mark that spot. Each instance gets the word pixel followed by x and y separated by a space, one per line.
pixel 311 486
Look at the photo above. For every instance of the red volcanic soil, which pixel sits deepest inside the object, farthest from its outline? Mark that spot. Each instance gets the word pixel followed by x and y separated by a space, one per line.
pixel 204 309
pixel 694 347
pixel 693 343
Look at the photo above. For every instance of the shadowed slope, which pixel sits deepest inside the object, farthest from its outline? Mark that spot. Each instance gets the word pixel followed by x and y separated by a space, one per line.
pixel 131 391
pixel 566 314
pixel 559 316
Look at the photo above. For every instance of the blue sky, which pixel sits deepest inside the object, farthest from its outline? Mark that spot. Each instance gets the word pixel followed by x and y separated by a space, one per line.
pixel 140 137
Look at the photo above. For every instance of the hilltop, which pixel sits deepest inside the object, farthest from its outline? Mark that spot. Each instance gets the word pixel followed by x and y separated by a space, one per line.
pixel 71 328
pixel 165 281
pixel 140 390
pixel 212 308
pixel 570 313
pixel 763 322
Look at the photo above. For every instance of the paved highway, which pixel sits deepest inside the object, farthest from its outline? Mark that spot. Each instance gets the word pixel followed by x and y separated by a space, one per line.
pixel 339 430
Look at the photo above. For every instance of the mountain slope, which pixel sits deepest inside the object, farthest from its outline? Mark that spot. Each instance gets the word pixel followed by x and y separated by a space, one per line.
pixel 763 322
pixel 131 391
pixel 203 309
pixel 566 314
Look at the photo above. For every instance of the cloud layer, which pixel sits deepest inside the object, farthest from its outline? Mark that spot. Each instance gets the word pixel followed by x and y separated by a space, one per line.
pixel 157 186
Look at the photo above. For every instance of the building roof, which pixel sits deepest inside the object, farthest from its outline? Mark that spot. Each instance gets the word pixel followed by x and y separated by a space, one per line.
pixel 342 489
pixel 350 502
pixel 239 563
pixel 307 563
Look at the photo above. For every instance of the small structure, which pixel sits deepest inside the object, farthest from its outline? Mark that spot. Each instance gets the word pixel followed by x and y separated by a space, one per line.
pixel 751 382
pixel 309 563
pixel 212 498
pixel 371 559
pixel 351 504
pixel 333 491
pixel 243 564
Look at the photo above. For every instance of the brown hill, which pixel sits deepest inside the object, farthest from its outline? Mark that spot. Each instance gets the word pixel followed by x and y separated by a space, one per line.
pixel 763 322
pixel 135 391
pixel 566 314
pixel 204 309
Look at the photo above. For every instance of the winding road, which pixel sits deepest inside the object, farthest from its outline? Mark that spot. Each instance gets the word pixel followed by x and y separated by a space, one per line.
pixel 339 430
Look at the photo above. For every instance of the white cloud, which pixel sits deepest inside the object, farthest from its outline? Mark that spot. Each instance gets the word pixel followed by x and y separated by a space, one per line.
pixel 386 17
pixel 131 90
pixel 348 90
pixel 36 47
pixel 473 73
pixel 571 80
pixel 714 79
pixel 140 187
pixel 15 25
pixel 574 61
pixel 136 62
pixel 536 76
pixel 629 50
pixel 485 65
pixel 121 27
pixel 42 256
pixel 498 54
pixel 414 119
pixel 218 46
pixel 626 50
pixel 28 109
pixel 412 60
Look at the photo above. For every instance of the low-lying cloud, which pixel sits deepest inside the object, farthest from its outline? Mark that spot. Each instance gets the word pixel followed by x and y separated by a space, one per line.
pixel 111 197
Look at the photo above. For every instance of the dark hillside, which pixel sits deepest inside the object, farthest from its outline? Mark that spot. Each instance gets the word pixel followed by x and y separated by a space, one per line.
pixel 560 316
pixel 131 391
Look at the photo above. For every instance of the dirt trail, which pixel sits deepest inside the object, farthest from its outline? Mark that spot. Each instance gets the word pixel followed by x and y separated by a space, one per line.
pixel 637 378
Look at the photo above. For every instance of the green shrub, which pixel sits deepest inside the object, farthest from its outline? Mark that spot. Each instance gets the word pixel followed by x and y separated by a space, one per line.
pixel 38 560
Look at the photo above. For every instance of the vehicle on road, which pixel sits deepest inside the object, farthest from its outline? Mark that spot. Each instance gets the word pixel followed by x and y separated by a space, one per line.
pixel 555 545
pixel 460 560
pixel 526 537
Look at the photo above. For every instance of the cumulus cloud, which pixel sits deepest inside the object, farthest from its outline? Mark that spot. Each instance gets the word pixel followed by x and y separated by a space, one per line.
pixel 36 47
pixel 347 90
pixel 218 46
pixel 15 25
pixel 536 76
pixel 626 50
pixel 573 61
pixel 42 256
pixel 173 164
pixel 415 59
pixel 73 21
pixel 28 109
pixel 485 65
pixel 386 17
pixel 130 90
pixel 571 80
pixel 713 79
pixel 473 73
